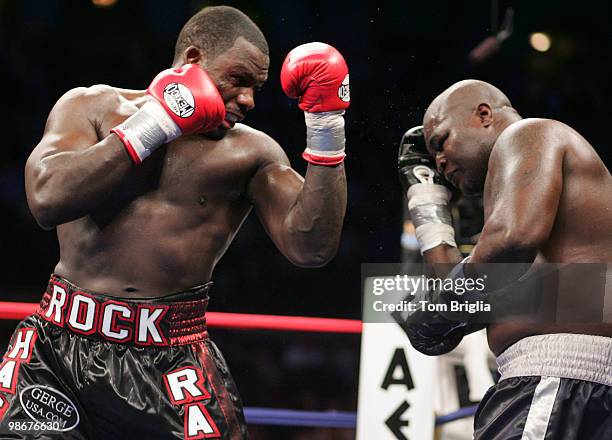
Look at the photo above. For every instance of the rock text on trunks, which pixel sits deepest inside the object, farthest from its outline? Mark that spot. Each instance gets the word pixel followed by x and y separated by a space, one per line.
pixel 113 320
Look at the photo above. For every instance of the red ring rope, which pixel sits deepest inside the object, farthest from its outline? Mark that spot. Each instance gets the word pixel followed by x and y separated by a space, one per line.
pixel 242 321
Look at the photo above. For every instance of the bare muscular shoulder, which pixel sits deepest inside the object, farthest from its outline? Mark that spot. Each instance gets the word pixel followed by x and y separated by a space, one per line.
pixel 94 101
pixel 76 119
pixel 527 139
pixel 537 139
pixel 108 106
pixel 270 162
pixel 262 147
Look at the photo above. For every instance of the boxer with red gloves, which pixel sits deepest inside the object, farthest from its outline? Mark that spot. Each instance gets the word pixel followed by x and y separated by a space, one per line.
pixel 147 188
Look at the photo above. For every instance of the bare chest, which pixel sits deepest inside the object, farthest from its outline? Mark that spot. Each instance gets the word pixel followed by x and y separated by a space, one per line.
pixel 191 172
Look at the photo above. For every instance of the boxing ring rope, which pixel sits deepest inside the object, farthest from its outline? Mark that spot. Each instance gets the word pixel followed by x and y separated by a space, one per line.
pixel 236 321
pixel 291 417
pixel 328 419
pixel 244 321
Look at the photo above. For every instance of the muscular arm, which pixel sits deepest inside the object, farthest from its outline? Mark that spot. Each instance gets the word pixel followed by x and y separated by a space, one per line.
pixel 522 194
pixel 70 170
pixel 302 216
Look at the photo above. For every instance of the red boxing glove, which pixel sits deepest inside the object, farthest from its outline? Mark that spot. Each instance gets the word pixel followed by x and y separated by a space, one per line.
pixel 190 97
pixel 317 74
pixel 180 101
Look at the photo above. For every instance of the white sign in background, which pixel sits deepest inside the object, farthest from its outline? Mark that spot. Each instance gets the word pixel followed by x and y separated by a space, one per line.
pixel 396 386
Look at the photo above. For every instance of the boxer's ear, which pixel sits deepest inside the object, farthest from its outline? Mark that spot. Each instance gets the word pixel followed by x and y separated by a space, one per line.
pixel 193 55
pixel 485 114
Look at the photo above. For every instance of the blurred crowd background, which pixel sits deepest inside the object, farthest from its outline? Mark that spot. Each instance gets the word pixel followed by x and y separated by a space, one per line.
pixel 401 54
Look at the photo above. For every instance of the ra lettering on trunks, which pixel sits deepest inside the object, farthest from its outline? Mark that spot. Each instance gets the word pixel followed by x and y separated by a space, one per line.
pixel 185 386
pixel 198 423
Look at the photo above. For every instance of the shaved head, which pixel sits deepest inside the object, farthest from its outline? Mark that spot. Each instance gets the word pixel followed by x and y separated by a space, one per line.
pixel 461 126
pixel 465 96
pixel 468 94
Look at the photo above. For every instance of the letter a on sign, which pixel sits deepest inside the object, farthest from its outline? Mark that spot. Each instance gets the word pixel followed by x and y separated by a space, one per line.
pixel 398 362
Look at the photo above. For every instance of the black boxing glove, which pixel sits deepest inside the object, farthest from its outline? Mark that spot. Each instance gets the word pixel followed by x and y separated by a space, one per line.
pixel 426 190
pixel 414 163
pixel 437 332
pixel 431 333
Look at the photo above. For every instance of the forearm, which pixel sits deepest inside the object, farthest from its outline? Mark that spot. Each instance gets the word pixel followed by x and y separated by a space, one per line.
pixel 502 259
pixel 501 246
pixel 314 224
pixel 64 186
pixel 490 249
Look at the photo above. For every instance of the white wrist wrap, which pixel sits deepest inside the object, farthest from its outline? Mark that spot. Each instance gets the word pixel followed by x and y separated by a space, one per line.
pixel 428 206
pixel 147 129
pixel 431 235
pixel 325 137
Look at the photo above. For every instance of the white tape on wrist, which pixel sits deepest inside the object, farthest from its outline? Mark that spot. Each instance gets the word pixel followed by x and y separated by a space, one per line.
pixel 325 138
pixel 146 130
pixel 428 193
pixel 430 214
pixel 431 235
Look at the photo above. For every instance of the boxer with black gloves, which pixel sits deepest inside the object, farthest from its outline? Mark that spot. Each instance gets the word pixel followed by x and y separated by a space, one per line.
pixel 147 189
pixel 538 177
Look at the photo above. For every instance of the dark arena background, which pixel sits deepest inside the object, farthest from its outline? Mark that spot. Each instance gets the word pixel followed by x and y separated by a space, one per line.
pixel 400 56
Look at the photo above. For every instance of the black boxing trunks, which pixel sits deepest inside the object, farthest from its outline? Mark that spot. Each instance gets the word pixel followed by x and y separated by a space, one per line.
pixel 93 366
pixel 552 387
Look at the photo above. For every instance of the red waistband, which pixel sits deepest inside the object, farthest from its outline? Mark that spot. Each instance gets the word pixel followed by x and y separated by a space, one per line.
pixel 176 319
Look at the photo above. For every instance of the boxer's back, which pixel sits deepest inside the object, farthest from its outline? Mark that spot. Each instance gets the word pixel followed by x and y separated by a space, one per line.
pixel 168 223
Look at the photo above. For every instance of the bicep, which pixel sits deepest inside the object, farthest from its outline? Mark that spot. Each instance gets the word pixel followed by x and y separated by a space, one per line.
pixel 273 190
